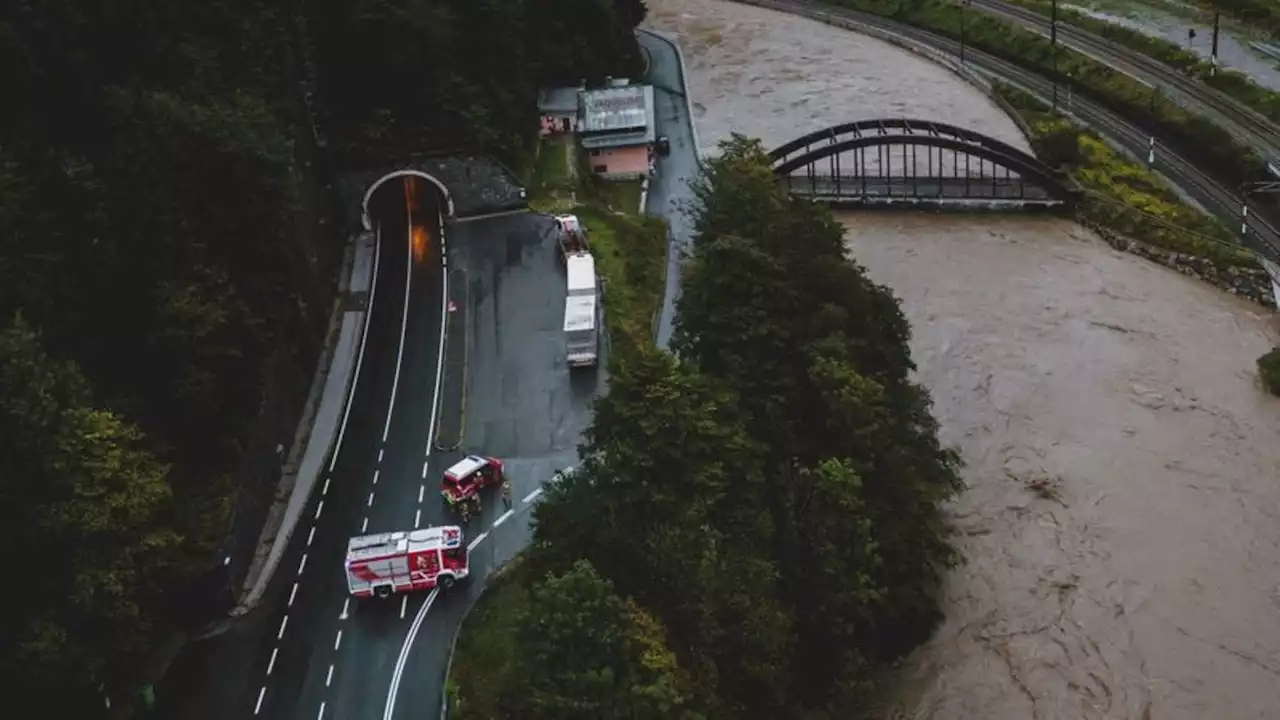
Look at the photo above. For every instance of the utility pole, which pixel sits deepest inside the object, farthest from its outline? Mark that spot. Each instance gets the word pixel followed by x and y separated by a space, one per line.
pixel 1213 50
pixel 964 4
pixel 1053 49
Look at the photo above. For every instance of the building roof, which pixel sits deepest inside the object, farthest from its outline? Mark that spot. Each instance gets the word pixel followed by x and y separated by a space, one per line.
pixel 558 101
pixel 616 116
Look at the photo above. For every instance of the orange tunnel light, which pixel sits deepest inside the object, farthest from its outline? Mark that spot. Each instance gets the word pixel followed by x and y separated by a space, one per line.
pixel 418 238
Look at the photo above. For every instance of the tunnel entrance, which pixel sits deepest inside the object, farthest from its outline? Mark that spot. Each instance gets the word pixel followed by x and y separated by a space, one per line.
pixel 441 197
pixel 406 206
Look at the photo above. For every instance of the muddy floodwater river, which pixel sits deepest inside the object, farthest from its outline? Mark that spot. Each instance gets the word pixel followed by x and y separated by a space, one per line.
pixel 1122 520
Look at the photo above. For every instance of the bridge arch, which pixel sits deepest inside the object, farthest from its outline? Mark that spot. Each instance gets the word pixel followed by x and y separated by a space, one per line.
pixel 897 127
pixel 1031 170
pixel 368 194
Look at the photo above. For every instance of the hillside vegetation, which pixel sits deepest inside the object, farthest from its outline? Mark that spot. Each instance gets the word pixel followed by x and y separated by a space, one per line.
pixel 168 256
pixel 755 531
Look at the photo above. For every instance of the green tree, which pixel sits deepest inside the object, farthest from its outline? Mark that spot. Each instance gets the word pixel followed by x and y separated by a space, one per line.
pixel 585 653
pixel 817 354
pixel 669 502
pixel 85 508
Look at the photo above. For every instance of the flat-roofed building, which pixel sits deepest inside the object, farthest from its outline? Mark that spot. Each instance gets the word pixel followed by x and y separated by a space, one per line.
pixel 557 110
pixel 616 128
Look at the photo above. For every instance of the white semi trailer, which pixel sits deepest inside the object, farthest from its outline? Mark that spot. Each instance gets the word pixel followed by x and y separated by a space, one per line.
pixel 581 311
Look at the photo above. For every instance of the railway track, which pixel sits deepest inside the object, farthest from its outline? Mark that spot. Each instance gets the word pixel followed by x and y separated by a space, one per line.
pixel 1225 203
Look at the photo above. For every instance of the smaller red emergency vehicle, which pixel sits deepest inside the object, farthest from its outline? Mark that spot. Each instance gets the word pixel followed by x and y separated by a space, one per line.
pixel 462 482
pixel 386 563
pixel 572 236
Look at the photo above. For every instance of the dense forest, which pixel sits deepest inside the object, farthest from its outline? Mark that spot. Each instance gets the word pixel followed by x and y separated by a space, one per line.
pixel 755 531
pixel 169 246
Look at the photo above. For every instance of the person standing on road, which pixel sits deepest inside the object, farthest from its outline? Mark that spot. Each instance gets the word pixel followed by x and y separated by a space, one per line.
pixel 506 493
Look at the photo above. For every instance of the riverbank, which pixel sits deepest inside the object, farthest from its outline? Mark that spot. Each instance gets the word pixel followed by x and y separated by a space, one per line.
pixel 1121 527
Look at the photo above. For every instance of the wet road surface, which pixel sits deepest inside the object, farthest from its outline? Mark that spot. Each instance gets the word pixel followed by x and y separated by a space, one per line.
pixel 523 405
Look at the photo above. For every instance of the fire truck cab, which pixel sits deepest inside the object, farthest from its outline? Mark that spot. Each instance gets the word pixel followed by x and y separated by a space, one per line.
pixel 404 561
pixel 463 481
pixel 571 236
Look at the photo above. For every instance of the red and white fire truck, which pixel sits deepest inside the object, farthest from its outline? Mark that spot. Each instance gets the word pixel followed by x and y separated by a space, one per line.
pixel 460 487
pixel 403 561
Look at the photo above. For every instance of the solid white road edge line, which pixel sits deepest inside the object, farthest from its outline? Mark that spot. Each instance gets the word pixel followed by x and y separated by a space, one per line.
pixel 435 399
pixel 396 674
pixel 364 336
pixel 404 325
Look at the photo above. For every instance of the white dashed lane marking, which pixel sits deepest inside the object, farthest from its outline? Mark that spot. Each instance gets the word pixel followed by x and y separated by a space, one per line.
pixel 505 516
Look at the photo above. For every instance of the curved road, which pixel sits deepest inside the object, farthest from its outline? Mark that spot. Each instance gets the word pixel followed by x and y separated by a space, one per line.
pixel 490 379
pixel 323 651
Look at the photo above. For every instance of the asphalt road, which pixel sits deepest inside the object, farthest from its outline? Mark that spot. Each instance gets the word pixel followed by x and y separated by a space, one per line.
pixel 1217 199
pixel 669 190
pixel 523 405
pixel 306 646
pixel 1218 107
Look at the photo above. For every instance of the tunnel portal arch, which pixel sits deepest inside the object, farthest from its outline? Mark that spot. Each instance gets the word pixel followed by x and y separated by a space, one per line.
pixel 368 194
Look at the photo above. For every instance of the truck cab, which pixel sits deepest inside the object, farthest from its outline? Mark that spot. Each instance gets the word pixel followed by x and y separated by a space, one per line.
pixel 464 479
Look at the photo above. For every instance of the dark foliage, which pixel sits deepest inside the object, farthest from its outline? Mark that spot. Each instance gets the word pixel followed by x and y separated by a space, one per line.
pixel 772 497
pixel 167 236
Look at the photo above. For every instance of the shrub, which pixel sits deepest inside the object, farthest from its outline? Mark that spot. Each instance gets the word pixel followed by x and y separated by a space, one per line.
pixel 1269 371
pixel 1122 195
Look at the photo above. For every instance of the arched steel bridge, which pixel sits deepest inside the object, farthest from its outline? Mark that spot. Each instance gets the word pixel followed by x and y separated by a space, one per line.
pixel 902 161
